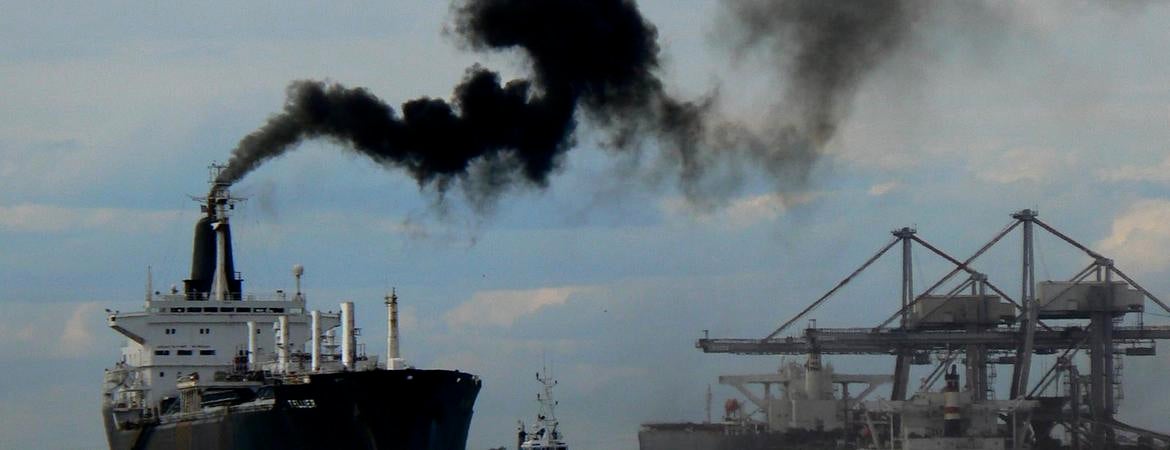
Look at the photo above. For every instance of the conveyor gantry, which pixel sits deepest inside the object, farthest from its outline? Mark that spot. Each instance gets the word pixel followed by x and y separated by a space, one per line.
pixel 866 341
pixel 970 318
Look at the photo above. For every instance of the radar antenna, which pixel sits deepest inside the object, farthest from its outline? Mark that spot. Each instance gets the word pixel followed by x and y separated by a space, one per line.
pixel 219 199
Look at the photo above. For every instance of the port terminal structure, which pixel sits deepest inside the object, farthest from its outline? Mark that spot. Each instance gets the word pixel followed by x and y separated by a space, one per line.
pixel 965 313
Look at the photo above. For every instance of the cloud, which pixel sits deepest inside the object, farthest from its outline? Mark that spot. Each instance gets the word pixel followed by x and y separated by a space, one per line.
pixel 881 189
pixel 503 308
pixel 492 356
pixel 53 331
pixel 1158 173
pixel 40 218
pixel 739 213
pixel 77 339
pixel 1023 164
pixel 1139 235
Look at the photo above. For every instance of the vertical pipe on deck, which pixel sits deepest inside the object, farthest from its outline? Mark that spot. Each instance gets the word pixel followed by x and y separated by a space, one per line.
pixel 315 341
pixel 348 345
pixel 282 344
pixel 251 345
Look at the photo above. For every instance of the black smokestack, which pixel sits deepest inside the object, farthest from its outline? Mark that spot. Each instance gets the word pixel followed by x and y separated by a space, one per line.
pixel 202 260
pixel 825 49
pixel 594 56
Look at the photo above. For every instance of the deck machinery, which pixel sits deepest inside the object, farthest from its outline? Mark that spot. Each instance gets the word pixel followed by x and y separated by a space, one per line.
pixel 975 319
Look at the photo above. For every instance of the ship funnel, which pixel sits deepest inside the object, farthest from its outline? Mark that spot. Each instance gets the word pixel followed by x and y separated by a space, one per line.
pixel 952 420
pixel 202 260
pixel 213 272
pixel 814 379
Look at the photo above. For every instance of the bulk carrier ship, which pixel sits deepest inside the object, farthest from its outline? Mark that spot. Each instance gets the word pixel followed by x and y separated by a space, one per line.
pixel 209 367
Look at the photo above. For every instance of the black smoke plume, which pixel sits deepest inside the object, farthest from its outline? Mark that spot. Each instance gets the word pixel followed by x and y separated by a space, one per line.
pixel 598 57
pixel 824 49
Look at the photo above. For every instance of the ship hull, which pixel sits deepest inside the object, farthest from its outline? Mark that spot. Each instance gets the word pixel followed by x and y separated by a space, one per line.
pixel 708 436
pixel 382 409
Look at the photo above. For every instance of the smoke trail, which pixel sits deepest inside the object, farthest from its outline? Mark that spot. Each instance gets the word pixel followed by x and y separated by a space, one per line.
pixel 434 143
pixel 596 56
pixel 825 49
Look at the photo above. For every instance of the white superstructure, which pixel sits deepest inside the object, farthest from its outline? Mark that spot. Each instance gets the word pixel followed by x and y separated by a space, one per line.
pixel 800 397
pixel 211 331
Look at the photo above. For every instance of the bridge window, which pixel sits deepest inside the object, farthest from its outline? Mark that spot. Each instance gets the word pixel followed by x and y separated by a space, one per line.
pixel 210 309
pixel 184 353
pixel 243 309
pixel 162 352
pixel 191 310
pixel 206 352
pixel 227 309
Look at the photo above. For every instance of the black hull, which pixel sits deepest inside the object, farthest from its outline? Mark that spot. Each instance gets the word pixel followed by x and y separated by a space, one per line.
pixel 399 409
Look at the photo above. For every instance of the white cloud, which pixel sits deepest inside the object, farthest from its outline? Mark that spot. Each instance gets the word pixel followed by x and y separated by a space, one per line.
pixel 504 307
pixel 1139 236
pixel 488 355
pixel 739 213
pixel 55 330
pixel 881 189
pixel 1024 164
pixel 1157 173
pixel 49 218
pixel 77 338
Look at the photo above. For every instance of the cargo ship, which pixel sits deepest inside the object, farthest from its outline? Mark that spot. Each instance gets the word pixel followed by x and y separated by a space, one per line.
pixel 210 367
pixel 798 407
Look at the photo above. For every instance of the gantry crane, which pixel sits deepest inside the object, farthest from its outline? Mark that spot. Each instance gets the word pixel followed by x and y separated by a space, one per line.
pixel 981 320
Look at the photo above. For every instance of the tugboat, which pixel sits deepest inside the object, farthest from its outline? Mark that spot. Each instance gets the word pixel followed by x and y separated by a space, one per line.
pixel 210 367
pixel 543 435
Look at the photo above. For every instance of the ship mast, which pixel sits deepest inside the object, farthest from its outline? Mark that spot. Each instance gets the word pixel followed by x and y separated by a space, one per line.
pixel 216 205
pixel 393 357
pixel 547 418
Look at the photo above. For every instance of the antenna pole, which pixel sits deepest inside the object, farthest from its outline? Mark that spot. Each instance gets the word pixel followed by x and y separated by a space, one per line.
pixel 149 285
pixel 393 357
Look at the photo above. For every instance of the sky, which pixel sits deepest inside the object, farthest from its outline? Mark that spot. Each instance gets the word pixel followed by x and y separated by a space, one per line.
pixel 111 112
